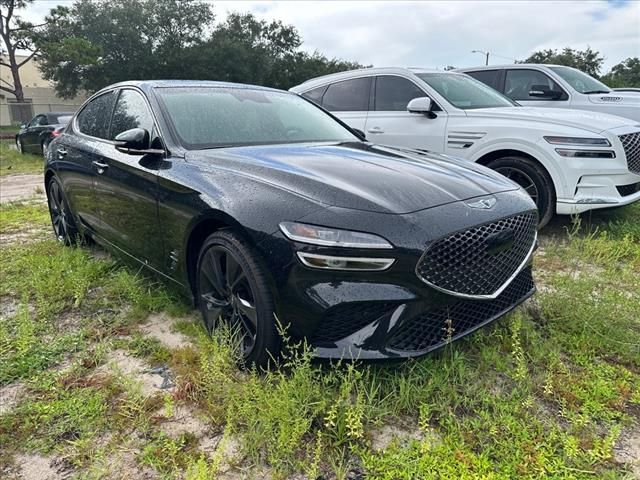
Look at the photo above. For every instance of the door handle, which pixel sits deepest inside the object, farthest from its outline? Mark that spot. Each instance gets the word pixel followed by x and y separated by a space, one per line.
pixel 62 152
pixel 375 130
pixel 100 166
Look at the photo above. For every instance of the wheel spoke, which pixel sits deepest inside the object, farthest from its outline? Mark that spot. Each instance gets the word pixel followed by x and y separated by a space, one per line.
pixel 248 312
pixel 233 271
pixel 213 273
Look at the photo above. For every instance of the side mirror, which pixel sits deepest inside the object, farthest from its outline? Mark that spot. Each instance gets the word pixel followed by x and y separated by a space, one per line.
pixel 135 142
pixel 23 126
pixel 360 134
pixel 422 105
pixel 543 91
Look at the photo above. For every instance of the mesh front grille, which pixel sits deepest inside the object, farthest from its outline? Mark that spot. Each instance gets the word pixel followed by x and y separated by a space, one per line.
pixel 343 320
pixel 480 260
pixel 436 328
pixel 631 145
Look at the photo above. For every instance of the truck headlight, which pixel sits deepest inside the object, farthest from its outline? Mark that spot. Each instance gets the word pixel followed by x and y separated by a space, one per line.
pixel 587 142
pixel 332 237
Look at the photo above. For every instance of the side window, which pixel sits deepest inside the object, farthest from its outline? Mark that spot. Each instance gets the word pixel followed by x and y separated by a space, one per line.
pixel 394 93
pixel 518 84
pixel 315 94
pixel 131 112
pixel 93 120
pixel 348 95
pixel 38 121
pixel 488 77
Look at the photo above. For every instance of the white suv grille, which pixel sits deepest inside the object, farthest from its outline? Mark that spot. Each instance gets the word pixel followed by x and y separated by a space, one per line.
pixel 631 145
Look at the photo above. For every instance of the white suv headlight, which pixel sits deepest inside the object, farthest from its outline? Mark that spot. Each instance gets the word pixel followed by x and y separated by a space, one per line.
pixel 587 142
pixel 331 237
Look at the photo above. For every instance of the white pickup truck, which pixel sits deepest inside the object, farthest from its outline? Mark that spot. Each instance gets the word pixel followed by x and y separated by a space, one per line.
pixel 557 86
pixel 569 161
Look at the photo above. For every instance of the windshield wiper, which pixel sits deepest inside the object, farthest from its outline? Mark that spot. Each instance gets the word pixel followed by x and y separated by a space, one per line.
pixel 596 91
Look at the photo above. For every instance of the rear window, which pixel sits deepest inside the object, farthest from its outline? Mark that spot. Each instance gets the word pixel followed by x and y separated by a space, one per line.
pixel 488 77
pixel 95 117
pixel 62 119
pixel 348 95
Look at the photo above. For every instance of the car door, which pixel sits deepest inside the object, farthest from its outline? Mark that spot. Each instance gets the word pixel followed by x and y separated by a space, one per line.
pixel 525 86
pixel 389 122
pixel 74 156
pixel 126 188
pixel 348 100
pixel 31 137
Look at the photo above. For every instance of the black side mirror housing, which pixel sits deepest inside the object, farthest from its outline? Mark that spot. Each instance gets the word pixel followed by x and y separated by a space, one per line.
pixel 136 141
pixel 360 134
pixel 543 91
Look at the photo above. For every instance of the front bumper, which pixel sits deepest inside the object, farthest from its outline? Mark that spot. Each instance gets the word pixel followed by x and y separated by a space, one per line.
pixel 410 329
pixel 392 313
pixel 601 191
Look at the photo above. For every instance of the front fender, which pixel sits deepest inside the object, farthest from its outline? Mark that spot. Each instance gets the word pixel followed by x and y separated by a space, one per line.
pixel 535 150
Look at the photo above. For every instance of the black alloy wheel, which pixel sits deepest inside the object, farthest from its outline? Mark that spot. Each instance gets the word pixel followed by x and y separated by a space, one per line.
pixel 534 180
pixel 61 218
pixel 232 290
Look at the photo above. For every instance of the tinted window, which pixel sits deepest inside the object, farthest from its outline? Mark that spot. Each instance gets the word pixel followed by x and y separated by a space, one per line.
pixel 131 112
pixel 348 96
pixel 465 92
pixel 38 121
pixel 518 84
pixel 229 117
pixel 63 119
pixel 582 82
pixel 394 93
pixel 488 77
pixel 315 94
pixel 93 120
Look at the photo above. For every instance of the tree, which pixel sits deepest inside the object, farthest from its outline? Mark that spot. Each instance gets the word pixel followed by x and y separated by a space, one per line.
pixel 588 61
pixel 624 74
pixel 93 44
pixel 16 35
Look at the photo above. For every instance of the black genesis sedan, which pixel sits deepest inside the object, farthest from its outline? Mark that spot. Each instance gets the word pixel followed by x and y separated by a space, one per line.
pixel 263 207
pixel 35 136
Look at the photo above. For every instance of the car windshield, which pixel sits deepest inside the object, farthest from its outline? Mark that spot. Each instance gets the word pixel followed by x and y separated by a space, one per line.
pixel 580 81
pixel 465 92
pixel 209 117
pixel 63 119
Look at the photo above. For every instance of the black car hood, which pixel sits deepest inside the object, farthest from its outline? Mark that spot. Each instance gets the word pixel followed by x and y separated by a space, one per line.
pixel 359 175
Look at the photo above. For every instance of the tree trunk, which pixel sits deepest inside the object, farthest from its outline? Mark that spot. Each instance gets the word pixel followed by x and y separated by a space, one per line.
pixel 15 73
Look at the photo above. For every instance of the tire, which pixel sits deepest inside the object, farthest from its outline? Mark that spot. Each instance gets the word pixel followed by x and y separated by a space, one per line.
pixel 62 221
pixel 232 288
pixel 20 146
pixel 534 179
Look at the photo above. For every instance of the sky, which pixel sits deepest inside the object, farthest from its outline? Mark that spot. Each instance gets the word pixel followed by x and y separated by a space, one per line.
pixel 434 34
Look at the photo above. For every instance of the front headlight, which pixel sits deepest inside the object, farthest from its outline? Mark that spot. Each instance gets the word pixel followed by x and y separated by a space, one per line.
pixel 587 142
pixel 331 237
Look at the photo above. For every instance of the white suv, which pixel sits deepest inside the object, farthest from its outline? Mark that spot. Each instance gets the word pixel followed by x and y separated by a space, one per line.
pixel 557 86
pixel 569 161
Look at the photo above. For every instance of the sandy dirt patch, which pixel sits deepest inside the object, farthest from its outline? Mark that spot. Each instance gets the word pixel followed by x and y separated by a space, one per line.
pixel 627 450
pixel 151 381
pixel 160 327
pixel 22 187
pixel 401 433
pixel 37 467
pixel 184 420
pixel 10 396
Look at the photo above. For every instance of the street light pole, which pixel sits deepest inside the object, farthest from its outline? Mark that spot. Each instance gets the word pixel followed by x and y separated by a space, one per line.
pixel 486 55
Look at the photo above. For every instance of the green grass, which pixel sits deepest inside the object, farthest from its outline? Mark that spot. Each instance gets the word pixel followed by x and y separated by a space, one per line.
pixel 12 162
pixel 544 393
